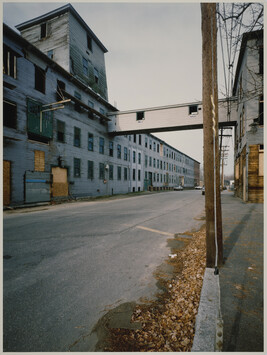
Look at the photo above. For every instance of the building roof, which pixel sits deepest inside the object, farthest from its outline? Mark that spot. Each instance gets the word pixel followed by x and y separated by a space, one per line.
pixel 59 11
pixel 246 37
pixel 9 32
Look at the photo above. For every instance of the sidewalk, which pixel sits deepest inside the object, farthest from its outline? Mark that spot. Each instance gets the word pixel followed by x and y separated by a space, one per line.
pixel 240 286
pixel 241 277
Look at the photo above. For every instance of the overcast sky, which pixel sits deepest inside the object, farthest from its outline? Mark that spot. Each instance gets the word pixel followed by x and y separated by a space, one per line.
pixel 154 55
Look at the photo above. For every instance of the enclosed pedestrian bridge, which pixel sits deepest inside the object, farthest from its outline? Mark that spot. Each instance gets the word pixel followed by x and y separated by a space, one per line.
pixel 169 118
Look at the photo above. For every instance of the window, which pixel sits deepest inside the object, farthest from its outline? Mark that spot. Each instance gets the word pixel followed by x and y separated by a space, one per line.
pixel 150 161
pixel 60 86
pixel 146 158
pixel 119 151
pixel 134 174
pixel 101 171
pixel 157 163
pixel 90 169
pixel 261 62
pixel 39 160
pixel 60 131
pixel 139 158
pixel 43 30
pixel 134 156
pixel 193 109
pixel 9 114
pixel 157 148
pixel 39 79
pixel 111 148
pixel 39 130
pixel 154 146
pixel 134 138
pixel 119 172
pixel 261 111
pixel 9 62
pixel 102 111
pixel 101 145
pixel 77 167
pixel 90 113
pixel 154 162
pixel 125 153
pixel 146 142
pixel 139 175
pixel 78 96
pixel 77 137
pixel 85 66
pixel 261 160
pixel 96 74
pixel 140 139
pixel 90 142
pixel 50 54
pixel 125 174
pixel 140 116
pixel 89 43
pixel 150 143
pixel 110 172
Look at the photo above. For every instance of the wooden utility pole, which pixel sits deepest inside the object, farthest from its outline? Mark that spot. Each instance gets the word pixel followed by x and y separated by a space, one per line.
pixel 214 251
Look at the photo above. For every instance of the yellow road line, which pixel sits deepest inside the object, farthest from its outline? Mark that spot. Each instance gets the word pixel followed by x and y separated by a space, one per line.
pixel 155 231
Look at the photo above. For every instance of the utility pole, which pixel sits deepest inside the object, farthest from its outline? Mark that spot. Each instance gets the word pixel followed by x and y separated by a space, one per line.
pixel 214 243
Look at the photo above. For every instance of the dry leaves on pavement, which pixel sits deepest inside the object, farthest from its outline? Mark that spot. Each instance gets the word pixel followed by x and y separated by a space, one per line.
pixel 168 325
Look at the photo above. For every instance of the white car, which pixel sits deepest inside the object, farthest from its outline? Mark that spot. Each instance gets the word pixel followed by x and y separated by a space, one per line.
pixel 198 187
pixel 178 188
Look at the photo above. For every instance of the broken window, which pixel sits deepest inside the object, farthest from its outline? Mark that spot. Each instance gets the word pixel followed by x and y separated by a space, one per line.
pixel 39 124
pixel 9 114
pixel 60 131
pixel 9 62
pixel 111 148
pixel 119 151
pixel 40 79
pixel 60 86
pixel 78 96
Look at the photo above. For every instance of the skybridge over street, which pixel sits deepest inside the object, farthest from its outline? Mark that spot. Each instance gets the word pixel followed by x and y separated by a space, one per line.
pixel 169 118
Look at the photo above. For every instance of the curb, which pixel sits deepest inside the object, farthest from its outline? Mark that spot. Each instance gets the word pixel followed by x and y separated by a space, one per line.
pixel 208 328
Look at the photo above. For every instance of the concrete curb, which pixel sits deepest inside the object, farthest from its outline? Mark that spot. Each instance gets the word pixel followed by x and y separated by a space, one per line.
pixel 208 329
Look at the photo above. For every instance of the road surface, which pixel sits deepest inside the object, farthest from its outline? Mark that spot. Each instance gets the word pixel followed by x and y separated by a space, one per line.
pixel 66 266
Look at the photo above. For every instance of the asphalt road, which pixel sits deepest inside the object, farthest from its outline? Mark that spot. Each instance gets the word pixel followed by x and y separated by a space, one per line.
pixel 65 266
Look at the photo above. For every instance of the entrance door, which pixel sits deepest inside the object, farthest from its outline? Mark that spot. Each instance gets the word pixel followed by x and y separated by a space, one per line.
pixel 60 182
pixel 6 182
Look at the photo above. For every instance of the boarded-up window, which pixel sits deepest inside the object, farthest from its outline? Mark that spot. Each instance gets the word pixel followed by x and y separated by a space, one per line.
pixel 261 162
pixel 39 160
pixel 9 62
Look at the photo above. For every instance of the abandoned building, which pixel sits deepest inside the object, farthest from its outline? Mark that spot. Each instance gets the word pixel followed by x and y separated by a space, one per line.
pixel 249 132
pixel 55 120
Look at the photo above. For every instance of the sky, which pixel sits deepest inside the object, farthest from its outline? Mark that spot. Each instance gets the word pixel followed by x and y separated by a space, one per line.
pixel 154 56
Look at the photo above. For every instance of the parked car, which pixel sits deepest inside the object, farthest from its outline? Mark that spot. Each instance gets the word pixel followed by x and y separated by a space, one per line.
pixel 198 187
pixel 178 188
pixel 203 190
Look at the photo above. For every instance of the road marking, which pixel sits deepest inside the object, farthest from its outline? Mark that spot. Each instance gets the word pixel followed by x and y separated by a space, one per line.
pixel 155 231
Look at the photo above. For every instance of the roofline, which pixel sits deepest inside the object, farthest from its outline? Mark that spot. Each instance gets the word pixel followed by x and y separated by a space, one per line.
pixel 246 37
pixel 59 11
pixel 55 66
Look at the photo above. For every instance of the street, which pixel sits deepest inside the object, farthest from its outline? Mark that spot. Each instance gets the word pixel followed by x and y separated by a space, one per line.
pixel 65 266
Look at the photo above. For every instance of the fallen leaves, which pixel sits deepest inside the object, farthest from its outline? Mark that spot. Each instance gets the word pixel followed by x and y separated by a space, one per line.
pixel 168 325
